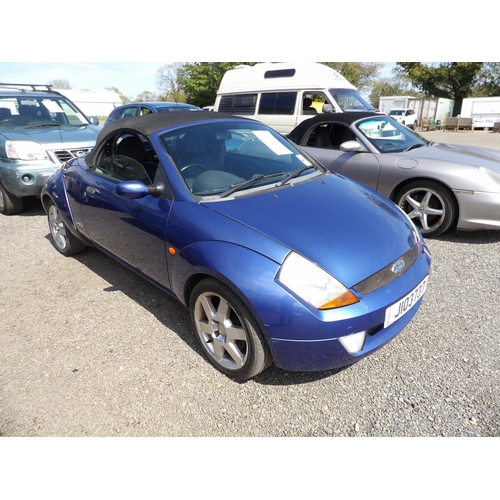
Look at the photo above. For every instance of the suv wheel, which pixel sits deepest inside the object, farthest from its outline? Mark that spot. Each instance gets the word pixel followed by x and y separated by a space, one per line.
pixel 9 203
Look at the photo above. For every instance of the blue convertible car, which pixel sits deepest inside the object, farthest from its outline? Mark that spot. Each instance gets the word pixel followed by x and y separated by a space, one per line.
pixel 276 258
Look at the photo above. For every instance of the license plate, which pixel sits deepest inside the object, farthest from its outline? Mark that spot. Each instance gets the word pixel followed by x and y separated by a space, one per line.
pixel 400 308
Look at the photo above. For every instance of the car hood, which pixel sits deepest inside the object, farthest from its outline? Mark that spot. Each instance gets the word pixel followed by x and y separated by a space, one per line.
pixel 347 229
pixel 465 155
pixel 69 136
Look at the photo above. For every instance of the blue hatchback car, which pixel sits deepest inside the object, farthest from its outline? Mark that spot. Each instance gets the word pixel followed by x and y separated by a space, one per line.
pixel 276 258
pixel 145 108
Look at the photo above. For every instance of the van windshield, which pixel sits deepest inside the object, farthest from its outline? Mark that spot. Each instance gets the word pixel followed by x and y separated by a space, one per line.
pixel 350 100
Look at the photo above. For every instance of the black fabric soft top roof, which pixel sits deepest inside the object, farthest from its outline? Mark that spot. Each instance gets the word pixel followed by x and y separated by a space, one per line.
pixel 152 122
pixel 347 118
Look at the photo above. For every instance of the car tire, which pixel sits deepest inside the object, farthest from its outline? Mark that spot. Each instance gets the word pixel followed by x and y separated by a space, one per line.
pixel 63 239
pixel 430 205
pixel 9 203
pixel 229 335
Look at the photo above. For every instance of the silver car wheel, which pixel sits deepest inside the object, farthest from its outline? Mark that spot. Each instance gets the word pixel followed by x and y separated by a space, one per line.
pixel 425 205
pixel 430 205
pixel 57 228
pixel 220 331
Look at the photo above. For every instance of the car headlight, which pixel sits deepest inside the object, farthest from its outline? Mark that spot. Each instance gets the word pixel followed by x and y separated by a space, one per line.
pixel 25 150
pixel 313 284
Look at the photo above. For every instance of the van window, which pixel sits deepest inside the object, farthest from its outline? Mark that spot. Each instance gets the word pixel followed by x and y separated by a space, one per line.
pixel 241 104
pixel 279 73
pixel 350 100
pixel 277 103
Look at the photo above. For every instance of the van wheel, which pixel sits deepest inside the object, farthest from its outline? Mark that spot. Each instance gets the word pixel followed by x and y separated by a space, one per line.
pixel 9 203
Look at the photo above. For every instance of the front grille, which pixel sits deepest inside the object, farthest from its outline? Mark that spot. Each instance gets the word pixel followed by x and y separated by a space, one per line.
pixel 67 154
pixel 386 275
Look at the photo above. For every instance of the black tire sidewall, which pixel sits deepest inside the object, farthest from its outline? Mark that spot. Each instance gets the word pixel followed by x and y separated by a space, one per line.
pixel 259 356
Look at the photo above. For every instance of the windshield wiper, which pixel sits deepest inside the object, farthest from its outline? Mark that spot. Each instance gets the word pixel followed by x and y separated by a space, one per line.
pixel 43 124
pixel 295 173
pixel 413 146
pixel 240 185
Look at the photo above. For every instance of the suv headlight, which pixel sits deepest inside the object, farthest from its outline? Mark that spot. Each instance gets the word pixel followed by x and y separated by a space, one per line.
pixel 313 284
pixel 25 150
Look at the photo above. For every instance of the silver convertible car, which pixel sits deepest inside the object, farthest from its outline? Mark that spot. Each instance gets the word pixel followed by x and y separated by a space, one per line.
pixel 439 186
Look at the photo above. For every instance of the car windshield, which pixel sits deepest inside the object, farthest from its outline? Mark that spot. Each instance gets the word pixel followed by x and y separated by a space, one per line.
pixel 230 158
pixel 396 112
pixel 44 111
pixel 388 136
pixel 350 100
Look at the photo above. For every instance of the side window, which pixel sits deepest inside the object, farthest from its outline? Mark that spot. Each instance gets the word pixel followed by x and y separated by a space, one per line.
pixel 313 102
pixel 277 103
pixel 240 104
pixel 330 136
pixel 144 111
pixel 122 160
pixel 128 112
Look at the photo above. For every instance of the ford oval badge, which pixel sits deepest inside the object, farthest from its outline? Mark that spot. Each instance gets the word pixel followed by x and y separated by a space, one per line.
pixel 398 266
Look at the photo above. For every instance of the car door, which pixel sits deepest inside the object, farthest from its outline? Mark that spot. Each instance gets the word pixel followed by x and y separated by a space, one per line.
pixel 133 230
pixel 323 143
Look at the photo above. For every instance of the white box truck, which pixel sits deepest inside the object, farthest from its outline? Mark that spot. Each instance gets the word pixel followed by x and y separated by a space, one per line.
pixel 284 94
pixel 484 111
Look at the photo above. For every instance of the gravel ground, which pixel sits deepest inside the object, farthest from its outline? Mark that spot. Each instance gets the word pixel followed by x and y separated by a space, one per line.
pixel 87 348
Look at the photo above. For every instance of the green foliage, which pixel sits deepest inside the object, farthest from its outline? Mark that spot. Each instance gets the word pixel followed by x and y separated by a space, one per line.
pixel 488 81
pixel 125 99
pixel 391 87
pixel 452 80
pixel 199 81
pixel 360 74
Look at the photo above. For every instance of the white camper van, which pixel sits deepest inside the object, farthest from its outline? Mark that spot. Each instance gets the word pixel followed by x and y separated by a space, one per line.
pixel 284 94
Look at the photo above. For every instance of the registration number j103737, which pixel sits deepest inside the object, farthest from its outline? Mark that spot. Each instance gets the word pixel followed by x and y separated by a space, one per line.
pixel 400 308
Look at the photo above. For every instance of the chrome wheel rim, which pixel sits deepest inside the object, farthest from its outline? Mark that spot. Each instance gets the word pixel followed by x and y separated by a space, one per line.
pixel 425 207
pixel 57 228
pixel 2 200
pixel 221 332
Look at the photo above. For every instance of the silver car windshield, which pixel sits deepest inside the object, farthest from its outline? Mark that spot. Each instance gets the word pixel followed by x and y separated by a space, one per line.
pixel 229 158
pixel 389 136
pixel 44 111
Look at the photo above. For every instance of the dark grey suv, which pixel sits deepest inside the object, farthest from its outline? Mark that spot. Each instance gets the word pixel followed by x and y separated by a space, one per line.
pixel 40 129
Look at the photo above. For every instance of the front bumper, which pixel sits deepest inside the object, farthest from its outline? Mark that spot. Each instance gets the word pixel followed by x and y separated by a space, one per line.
pixel 306 340
pixel 26 179
pixel 479 210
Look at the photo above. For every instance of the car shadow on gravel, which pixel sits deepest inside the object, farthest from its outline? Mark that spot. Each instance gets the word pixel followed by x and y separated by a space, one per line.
pixel 172 314
pixel 478 237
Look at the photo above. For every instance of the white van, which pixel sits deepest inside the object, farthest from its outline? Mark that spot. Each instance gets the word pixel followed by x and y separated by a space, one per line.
pixel 284 94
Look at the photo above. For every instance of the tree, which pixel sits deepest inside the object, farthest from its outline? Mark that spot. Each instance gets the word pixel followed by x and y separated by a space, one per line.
pixel 452 80
pixel 199 81
pixel 124 98
pixel 146 96
pixel 360 74
pixel 167 83
pixel 60 84
pixel 488 81
pixel 390 87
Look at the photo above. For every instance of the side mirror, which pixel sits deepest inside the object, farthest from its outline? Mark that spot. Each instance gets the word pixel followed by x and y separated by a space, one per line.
pixel 93 120
pixel 133 190
pixel 350 146
pixel 328 108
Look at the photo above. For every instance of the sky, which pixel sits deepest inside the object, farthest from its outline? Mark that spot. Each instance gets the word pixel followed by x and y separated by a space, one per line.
pixel 107 47
pixel 131 78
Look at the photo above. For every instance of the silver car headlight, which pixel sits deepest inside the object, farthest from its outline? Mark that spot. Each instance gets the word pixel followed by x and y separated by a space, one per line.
pixel 25 150
pixel 313 284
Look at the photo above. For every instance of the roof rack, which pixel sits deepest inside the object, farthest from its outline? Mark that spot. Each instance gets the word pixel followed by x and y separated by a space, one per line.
pixel 32 85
